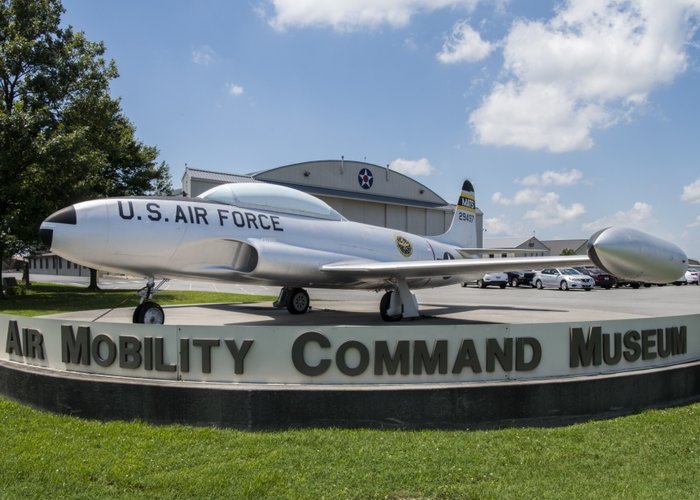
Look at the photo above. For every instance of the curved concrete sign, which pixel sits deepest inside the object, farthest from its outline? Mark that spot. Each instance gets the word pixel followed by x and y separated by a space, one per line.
pixel 405 354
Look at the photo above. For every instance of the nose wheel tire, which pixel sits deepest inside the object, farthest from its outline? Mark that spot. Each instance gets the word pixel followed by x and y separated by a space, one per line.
pixel 149 313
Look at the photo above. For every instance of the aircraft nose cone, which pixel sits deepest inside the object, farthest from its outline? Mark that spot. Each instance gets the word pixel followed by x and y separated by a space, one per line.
pixel 63 216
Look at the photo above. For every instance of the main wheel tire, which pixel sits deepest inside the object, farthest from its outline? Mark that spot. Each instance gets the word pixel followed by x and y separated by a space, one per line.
pixel 480 284
pixel 502 286
pixel 384 307
pixel 514 282
pixel 563 285
pixel 149 313
pixel 298 302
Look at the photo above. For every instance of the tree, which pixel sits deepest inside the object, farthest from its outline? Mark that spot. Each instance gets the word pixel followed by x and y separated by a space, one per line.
pixel 63 138
pixel 568 251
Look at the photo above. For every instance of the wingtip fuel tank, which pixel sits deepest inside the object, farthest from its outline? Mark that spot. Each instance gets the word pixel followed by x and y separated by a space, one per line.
pixel 635 255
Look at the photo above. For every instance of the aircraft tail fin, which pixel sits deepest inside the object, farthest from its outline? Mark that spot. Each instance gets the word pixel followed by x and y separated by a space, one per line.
pixel 462 231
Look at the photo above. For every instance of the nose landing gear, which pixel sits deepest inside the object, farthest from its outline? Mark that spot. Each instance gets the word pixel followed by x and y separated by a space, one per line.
pixel 148 311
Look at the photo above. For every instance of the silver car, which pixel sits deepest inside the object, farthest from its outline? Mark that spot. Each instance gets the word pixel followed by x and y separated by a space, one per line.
pixel 563 278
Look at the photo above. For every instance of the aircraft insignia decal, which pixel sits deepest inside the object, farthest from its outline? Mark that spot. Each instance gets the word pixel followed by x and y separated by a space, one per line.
pixel 404 246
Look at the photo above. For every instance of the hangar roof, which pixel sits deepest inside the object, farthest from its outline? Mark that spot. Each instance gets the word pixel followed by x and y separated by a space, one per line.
pixel 353 179
pixel 221 177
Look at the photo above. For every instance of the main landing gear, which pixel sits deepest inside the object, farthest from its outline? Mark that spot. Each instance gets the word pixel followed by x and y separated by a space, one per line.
pixel 147 311
pixel 295 300
pixel 398 303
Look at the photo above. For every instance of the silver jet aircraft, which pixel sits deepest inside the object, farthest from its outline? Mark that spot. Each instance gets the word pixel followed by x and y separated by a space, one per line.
pixel 265 234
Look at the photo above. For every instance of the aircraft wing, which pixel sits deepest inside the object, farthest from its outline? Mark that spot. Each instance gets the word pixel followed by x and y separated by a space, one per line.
pixel 456 267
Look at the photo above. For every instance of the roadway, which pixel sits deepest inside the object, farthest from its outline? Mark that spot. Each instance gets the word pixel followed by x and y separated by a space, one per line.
pixel 441 306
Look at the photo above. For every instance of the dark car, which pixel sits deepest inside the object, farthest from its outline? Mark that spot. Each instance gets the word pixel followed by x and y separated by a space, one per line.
pixel 634 284
pixel 602 279
pixel 517 278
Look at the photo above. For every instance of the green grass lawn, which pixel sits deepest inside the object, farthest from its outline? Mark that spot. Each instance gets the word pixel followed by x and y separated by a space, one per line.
pixel 655 454
pixel 45 298
pixel 652 455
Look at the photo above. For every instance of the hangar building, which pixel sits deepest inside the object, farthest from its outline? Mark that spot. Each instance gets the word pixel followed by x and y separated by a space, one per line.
pixel 362 192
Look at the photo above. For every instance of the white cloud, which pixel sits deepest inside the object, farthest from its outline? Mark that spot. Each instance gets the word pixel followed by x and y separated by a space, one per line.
pixel 352 15
pixel 495 226
pixel 523 197
pixel 464 45
pixel 550 211
pixel 585 68
pixel 420 167
pixel 553 178
pixel 547 208
pixel 691 192
pixel 695 223
pixel 535 117
pixel 235 90
pixel 203 55
pixel 640 216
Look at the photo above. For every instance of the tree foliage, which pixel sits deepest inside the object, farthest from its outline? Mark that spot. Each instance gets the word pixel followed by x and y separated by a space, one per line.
pixel 63 138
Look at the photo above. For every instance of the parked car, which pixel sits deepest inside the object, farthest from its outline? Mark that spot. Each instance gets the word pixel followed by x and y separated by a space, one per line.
pixel 565 278
pixel 690 278
pixel 620 282
pixel 491 279
pixel 601 278
pixel 517 278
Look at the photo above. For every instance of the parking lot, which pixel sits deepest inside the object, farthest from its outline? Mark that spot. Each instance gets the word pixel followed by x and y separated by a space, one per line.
pixel 447 305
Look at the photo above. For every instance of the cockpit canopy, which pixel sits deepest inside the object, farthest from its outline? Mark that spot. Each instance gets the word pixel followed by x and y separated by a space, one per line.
pixel 271 198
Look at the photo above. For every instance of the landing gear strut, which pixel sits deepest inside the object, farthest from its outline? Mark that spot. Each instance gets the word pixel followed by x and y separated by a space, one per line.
pixel 147 311
pixel 296 300
pixel 398 303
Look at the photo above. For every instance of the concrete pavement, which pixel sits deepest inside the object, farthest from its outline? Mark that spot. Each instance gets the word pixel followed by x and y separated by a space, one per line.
pixel 440 306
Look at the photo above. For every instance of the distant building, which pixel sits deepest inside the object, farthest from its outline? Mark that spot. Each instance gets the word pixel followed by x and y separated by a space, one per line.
pixel 557 247
pixel 50 263
pixel 515 247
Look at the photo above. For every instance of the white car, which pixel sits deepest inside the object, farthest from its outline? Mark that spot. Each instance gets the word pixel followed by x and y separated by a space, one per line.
pixel 563 278
pixel 491 279
pixel 692 277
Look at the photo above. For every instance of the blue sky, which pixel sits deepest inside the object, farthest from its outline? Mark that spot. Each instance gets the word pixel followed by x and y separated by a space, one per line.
pixel 567 116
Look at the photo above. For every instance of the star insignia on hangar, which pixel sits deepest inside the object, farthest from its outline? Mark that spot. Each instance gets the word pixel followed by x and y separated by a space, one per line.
pixel 365 178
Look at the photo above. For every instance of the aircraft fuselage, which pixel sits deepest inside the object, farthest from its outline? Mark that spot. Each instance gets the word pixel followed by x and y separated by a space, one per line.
pixel 179 237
